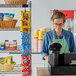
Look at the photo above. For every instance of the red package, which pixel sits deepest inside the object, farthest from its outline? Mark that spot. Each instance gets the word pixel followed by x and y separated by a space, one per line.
pixel 25 59
pixel 10 45
pixel 25 72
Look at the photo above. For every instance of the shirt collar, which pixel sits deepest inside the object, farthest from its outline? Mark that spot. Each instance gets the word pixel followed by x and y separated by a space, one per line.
pixel 53 32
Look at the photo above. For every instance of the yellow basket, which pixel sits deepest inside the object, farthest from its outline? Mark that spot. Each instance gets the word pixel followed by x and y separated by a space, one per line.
pixel 15 1
pixel 7 67
pixel 8 24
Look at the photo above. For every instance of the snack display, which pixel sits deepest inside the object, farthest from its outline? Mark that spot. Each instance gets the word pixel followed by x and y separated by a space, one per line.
pixel 7 20
pixel 25 29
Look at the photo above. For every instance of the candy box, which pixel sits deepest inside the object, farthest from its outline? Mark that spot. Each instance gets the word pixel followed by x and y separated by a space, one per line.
pixel 11 45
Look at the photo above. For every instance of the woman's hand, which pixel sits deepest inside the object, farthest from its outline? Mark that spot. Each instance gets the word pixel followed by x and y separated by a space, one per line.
pixel 46 57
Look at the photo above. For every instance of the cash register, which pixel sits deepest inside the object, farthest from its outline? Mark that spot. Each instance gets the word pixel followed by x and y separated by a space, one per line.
pixel 61 64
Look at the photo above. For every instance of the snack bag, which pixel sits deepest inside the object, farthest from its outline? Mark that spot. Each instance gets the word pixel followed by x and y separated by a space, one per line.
pixel 6 16
pixel 8 60
pixel 1 60
pixel 1 16
pixel 12 16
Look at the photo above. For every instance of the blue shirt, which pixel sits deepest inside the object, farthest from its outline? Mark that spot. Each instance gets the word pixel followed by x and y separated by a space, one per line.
pixel 48 39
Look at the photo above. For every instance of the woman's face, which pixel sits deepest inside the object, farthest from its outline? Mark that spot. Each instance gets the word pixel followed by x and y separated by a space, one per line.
pixel 58 24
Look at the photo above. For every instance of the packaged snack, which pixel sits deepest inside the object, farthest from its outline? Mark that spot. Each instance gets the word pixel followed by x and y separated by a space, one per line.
pixel 25 15
pixel 26 30
pixel 25 35
pixel 25 53
pixel 11 45
pixel 25 59
pixel 1 60
pixel 26 41
pixel 25 24
pixel 1 16
pixel 11 16
pixel 25 67
pixel 2 46
pixel 6 16
pixel 25 48
pixel 25 72
pixel 7 60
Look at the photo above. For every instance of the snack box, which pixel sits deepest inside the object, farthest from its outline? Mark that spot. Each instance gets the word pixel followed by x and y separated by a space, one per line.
pixel 10 45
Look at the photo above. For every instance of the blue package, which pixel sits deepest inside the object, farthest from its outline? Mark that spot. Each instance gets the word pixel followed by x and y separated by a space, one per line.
pixel 25 53
pixel 26 48
pixel 25 35
pixel 25 41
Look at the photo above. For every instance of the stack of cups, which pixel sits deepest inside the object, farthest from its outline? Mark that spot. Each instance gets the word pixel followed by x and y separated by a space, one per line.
pixel 38 39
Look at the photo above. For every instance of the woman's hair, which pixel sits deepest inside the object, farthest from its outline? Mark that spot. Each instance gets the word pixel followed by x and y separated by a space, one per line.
pixel 57 14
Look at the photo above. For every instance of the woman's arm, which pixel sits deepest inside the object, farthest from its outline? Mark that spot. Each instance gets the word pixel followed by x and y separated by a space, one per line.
pixel 44 51
pixel 46 57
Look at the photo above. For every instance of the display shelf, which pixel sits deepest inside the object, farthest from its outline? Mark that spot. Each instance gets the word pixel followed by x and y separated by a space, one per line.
pixel 11 51
pixel 17 70
pixel 18 51
pixel 13 5
pixel 35 53
pixel 10 29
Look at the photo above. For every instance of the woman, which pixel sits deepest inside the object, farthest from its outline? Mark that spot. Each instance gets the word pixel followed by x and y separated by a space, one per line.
pixel 58 35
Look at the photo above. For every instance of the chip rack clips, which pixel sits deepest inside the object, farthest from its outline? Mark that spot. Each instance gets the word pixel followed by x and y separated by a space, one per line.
pixel 25 27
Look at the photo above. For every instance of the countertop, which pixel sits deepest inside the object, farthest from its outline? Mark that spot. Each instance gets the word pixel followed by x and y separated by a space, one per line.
pixel 41 71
